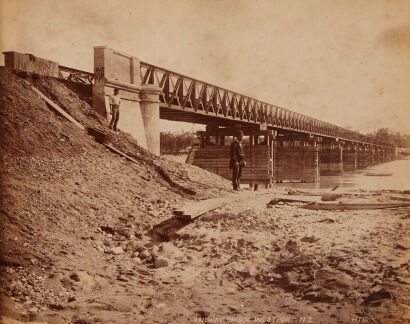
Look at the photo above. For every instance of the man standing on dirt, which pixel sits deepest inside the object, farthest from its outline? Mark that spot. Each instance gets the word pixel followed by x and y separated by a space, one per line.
pixel 115 102
pixel 237 161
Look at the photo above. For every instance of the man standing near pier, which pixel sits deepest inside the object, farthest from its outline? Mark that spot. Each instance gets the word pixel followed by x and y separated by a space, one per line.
pixel 115 102
pixel 237 160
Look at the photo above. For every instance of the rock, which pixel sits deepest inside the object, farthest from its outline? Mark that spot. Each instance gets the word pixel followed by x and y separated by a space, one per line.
pixel 115 250
pixel 122 278
pixel 330 196
pixel 144 254
pixel 137 246
pixel 277 276
pixel 231 290
pixel 323 296
pixel 155 249
pixel 241 242
pixel 202 314
pixel 161 262
pixel 291 246
pixel 137 260
pixel 252 270
pixel 33 310
pixel 403 245
pixel 377 294
pixel 310 239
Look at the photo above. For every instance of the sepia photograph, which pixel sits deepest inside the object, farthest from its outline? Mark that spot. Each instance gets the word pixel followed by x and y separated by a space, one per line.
pixel 204 161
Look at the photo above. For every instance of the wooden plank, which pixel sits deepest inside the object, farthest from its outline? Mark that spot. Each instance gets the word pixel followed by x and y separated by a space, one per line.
pixel 120 153
pixel 197 208
pixel 59 110
pixel 358 206
pixel 400 198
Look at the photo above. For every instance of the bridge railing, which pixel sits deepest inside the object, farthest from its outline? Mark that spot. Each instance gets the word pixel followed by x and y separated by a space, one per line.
pixel 75 75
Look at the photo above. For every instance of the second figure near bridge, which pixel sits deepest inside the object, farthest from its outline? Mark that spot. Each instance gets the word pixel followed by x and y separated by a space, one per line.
pixel 237 160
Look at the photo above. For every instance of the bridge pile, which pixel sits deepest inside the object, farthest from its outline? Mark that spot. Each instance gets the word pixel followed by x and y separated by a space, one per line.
pixel 273 157
pixel 296 164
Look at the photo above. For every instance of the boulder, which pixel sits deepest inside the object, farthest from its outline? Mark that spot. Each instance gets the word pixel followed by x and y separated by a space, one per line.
pixel 115 250
pixel 161 262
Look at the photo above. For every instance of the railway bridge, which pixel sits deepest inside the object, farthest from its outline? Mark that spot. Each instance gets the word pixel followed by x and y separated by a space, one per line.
pixel 280 144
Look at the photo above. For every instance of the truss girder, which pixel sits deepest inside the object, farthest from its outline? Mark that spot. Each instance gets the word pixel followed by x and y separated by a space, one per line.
pixel 196 96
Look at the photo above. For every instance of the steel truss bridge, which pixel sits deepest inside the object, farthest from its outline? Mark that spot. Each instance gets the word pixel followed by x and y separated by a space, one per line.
pixel 190 100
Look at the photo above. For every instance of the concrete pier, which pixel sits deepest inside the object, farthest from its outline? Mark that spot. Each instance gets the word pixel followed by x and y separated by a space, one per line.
pixel 150 114
pixel 139 110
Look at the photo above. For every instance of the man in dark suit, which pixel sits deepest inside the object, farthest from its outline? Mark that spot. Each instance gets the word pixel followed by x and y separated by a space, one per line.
pixel 237 161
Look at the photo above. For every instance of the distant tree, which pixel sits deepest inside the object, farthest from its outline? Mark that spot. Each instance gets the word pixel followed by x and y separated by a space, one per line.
pixel 176 143
pixel 387 135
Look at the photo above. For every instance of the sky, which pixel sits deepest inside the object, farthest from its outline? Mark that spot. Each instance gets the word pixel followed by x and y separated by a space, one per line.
pixel 342 61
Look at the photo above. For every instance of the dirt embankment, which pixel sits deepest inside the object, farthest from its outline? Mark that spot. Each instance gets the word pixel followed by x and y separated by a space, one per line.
pixel 74 217
pixel 67 200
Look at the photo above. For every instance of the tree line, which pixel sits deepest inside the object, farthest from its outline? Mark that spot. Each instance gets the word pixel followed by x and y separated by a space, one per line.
pixel 388 135
pixel 172 143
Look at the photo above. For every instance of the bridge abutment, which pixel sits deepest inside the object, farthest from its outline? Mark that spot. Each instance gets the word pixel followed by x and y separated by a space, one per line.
pixel 139 110
pixel 31 64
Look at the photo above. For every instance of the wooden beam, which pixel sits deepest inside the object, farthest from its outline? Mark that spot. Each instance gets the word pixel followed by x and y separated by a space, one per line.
pixel 121 153
pixel 59 110
pixel 358 206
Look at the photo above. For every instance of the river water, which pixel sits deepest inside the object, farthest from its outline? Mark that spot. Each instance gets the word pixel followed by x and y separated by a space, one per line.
pixel 399 180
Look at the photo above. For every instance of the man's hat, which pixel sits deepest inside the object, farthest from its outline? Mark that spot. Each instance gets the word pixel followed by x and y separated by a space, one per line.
pixel 238 133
